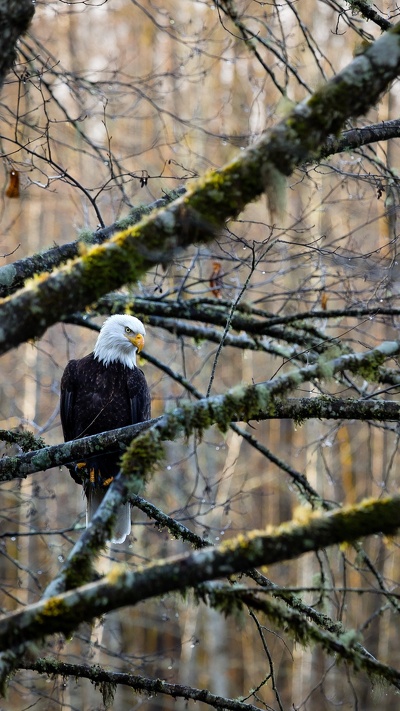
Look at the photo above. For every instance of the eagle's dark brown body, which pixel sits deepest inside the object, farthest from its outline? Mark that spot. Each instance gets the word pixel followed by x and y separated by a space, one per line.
pixel 96 398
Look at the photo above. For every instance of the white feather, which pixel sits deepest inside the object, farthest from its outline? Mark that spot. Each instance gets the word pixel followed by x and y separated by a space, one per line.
pixel 122 526
pixel 113 344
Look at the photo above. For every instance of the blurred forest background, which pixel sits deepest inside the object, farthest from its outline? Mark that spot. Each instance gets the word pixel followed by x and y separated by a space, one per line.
pixel 113 105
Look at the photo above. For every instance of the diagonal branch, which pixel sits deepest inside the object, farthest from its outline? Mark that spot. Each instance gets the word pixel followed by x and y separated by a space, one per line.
pixel 12 276
pixel 220 195
pixel 64 612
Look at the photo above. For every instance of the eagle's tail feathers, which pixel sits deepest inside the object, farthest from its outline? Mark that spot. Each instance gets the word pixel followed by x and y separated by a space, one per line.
pixel 122 526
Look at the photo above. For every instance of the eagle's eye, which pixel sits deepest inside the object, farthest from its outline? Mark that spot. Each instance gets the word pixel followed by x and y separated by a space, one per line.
pixel 128 330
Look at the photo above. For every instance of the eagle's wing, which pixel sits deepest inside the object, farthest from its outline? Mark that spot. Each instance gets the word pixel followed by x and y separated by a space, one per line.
pixel 67 400
pixel 68 422
pixel 139 395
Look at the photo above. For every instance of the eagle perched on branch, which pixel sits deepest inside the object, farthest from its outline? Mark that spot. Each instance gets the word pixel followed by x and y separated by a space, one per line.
pixel 103 391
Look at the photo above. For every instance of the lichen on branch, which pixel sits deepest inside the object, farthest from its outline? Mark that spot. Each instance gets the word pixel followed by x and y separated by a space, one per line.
pixel 64 612
pixel 218 196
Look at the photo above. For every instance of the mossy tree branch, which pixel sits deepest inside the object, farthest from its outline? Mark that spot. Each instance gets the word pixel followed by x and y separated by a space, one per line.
pixel 13 276
pixel 297 409
pixel 140 684
pixel 346 646
pixel 341 642
pixel 146 451
pixel 21 465
pixel 64 612
pixel 319 627
pixel 220 195
pixel 297 609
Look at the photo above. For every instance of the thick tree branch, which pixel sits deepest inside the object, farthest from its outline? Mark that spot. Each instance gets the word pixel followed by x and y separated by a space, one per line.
pixel 64 612
pixel 320 627
pixel 297 409
pixel 220 195
pixel 13 276
pixel 19 466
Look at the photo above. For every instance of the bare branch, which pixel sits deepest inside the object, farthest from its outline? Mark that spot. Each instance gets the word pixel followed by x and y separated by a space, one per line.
pixel 196 216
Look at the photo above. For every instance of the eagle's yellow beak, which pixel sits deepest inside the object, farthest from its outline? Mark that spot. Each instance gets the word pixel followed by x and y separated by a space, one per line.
pixel 137 341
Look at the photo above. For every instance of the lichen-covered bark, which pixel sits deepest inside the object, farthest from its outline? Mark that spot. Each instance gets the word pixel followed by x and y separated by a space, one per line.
pixel 146 451
pixel 13 276
pixel 219 195
pixel 62 613
pixel 15 17
pixel 344 643
pixel 19 466
pixel 324 408
pixel 98 675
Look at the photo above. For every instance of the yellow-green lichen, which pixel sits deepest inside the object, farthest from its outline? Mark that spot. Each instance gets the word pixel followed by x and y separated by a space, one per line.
pixel 54 607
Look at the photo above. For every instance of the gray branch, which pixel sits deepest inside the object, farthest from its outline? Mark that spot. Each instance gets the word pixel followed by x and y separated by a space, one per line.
pixel 99 676
pixel 12 276
pixel 220 195
pixel 63 612
pixel 297 409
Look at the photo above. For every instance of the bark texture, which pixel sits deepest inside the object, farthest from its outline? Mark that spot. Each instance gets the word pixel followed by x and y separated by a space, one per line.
pixel 220 195
pixel 15 17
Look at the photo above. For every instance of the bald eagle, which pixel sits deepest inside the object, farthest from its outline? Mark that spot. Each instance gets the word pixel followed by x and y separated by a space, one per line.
pixel 103 391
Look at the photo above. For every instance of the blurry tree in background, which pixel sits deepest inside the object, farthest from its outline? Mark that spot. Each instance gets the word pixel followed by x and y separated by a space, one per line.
pixel 155 159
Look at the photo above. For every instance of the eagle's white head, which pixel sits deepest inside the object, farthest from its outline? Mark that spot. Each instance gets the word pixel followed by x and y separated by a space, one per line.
pixel 120 339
